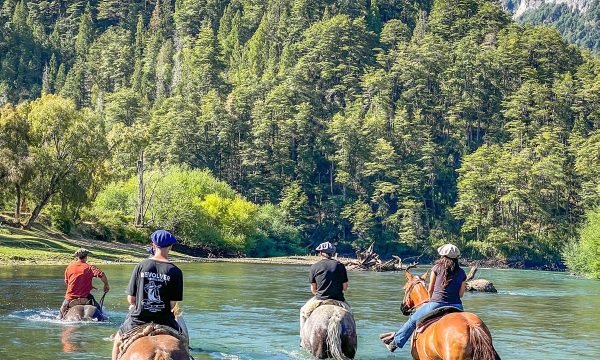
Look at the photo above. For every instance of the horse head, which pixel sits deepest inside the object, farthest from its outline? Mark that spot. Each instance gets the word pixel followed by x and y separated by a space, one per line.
pixel 415 292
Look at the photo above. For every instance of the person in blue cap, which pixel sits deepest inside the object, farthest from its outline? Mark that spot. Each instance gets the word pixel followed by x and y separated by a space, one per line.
pixel 155 287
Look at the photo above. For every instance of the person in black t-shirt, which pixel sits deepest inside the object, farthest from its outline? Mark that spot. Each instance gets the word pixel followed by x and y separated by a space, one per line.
pixel 155 287
pixel 328 281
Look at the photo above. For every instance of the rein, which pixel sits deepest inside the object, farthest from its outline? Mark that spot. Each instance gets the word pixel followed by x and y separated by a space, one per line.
pixel 407 292
pixel 101 303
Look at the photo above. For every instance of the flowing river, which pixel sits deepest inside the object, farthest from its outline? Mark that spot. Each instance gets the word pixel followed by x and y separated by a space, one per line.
pixel 250 311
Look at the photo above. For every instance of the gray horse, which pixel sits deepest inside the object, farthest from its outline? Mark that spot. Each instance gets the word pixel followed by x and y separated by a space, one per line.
pixel 330 332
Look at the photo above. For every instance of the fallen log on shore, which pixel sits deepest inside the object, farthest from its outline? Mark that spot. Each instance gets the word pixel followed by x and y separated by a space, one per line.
pixel 369 260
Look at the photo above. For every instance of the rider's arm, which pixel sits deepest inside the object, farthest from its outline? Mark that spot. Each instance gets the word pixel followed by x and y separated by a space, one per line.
pixel 313 288
pixel 463 287
pixel 431 284
pixel 345 286
pixel 105 281
pixel 131 299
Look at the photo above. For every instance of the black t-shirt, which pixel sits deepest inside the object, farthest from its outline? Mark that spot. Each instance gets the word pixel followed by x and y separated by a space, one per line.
pixel 450 293
pixel 155 284
pixel 329 275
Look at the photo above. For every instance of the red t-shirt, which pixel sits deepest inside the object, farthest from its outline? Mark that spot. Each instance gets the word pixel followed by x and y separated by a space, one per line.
pixel 78 278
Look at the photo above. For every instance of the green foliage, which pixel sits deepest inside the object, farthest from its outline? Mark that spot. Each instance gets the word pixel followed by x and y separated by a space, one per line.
pixel 403 122
pixel 59 220
pixel 201 210
pixel 583 257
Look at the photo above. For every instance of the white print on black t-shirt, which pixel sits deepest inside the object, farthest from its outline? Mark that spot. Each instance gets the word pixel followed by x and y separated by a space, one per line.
pixel 152 301
pixel 155 276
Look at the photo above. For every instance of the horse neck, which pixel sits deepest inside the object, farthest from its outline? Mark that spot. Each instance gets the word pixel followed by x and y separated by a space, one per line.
pixel 420 295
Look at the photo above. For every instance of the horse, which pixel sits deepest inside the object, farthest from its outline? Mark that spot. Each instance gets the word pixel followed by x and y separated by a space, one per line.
pixel 330 332
pixel 455 336
pixel 83 309
pixel 157 342
pixel 157 347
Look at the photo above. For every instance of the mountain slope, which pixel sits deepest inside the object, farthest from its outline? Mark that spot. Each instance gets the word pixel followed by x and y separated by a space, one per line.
pixel 577 20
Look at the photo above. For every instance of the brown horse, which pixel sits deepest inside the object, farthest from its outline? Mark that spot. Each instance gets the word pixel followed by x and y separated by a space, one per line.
pixel 158 347
pixel 330 332
pixel 157 342
pixel 455 336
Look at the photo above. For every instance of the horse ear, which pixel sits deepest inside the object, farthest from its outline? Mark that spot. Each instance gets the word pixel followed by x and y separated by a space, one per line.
pixel 424 276
pixel 408 275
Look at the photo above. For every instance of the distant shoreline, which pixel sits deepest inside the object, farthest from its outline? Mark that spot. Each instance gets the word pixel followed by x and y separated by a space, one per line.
pixel 42 246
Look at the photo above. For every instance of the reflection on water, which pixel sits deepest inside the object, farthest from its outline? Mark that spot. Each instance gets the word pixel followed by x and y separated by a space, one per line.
pixel 241 311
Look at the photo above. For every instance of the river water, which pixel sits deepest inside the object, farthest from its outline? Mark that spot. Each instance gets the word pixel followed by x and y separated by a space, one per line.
pixel 249 311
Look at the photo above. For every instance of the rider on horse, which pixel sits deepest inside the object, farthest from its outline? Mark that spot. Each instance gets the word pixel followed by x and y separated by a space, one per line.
pixel 447 285
pixel 328 281
pixel 78 278
pixel 155 287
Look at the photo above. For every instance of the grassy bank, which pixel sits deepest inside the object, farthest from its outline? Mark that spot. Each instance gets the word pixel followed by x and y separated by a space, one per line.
pixel 43 246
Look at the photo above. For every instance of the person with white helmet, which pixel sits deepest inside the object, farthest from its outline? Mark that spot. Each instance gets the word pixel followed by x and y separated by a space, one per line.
pixel 447 285
pixel 328 281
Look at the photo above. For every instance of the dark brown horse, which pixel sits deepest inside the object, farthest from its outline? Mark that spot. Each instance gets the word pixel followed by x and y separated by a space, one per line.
pixel 330 332
pixel 455 336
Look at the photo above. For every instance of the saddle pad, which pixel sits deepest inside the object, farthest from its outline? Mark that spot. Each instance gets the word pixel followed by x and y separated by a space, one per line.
pixel 435 315
pixel 79 301
pixel 314 304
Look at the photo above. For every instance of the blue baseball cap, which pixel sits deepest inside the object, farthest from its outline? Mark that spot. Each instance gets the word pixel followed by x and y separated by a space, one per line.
pixel 163 238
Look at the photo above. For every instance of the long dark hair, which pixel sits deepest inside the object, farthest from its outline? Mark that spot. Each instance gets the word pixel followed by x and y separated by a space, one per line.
pixel 450 267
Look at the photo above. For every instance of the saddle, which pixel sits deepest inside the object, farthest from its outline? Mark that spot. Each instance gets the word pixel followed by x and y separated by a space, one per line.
pixel 314 304
pixel 79 301
pixel 431 317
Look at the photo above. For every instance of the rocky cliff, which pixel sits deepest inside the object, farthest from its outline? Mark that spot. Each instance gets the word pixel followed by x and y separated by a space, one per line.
pixel 519 7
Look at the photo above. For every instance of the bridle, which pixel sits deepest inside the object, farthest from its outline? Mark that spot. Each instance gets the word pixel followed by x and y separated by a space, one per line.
pixel 404 307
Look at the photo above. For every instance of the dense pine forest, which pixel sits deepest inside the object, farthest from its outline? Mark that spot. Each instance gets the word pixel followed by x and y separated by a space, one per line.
pixel 265 126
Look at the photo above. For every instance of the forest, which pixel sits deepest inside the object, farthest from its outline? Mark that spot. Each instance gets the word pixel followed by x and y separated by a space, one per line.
pixel 265 127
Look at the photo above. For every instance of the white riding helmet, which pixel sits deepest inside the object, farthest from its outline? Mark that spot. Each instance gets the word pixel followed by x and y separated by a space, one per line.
pixel 449 250
pixel 326 247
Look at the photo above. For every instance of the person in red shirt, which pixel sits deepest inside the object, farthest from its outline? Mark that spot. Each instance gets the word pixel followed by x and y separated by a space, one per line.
pixel 78 278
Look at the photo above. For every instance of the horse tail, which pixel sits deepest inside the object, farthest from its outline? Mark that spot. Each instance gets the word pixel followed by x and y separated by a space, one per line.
pixel 482 344
pixel 334 335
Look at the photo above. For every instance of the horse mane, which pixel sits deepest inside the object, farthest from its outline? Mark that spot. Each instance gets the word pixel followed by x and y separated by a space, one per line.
pixel 162 355
pixel 482 344
pixel 334 334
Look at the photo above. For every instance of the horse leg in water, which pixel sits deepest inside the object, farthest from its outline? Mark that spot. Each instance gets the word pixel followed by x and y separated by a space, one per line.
pixel 83 313
pixel 158 347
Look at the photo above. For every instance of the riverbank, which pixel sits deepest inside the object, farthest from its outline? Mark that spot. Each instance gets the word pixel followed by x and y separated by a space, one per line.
pixel 43 246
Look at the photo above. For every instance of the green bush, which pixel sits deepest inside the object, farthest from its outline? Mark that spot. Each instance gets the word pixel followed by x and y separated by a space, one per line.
pixel 583 257
pixel 59 220
pixel 200 210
